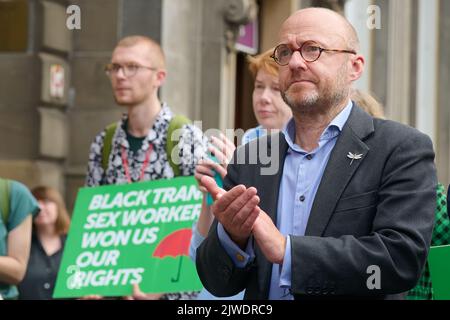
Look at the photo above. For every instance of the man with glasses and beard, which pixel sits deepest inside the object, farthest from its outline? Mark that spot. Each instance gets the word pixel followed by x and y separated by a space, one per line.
pixel 136 147
pixel 349 213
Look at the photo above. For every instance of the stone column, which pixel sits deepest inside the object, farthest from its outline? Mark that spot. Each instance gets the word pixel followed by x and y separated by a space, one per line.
pixel 36 90
pixel 56 74
pixel 399 61
pixel 378 63
pixel 356 13
pixel 182 42
pixel 427 63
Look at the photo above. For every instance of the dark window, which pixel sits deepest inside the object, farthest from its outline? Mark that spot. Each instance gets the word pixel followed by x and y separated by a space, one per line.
pixel 13 25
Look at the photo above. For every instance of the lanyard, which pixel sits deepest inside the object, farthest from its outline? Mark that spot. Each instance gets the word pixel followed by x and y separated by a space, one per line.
pixel 144 165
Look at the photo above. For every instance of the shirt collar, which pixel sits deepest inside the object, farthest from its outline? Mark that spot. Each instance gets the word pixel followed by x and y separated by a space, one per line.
pixel 332 130
pixel 163 118
pixel 340 120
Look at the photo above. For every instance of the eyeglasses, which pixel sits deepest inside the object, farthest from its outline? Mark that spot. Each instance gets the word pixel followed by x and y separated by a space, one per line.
pixel 309 51
pixel 129 70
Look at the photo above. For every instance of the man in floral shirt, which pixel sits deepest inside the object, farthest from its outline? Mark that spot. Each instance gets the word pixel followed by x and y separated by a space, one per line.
pixel 136 145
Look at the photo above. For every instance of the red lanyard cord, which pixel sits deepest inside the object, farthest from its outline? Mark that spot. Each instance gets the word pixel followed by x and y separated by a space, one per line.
pixel 126 167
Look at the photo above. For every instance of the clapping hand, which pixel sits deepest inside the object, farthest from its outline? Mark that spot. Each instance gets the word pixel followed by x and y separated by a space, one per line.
pixel 236 209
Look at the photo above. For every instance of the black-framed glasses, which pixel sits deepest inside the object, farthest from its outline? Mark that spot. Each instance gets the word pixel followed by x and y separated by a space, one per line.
pixel 128 70
pixel 310 52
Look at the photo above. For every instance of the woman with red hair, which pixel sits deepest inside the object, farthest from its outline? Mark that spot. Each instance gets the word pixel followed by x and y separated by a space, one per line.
pixel 50 228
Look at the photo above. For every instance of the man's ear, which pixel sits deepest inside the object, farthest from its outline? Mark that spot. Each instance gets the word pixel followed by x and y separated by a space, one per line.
pixel 160 77
pixel 357 67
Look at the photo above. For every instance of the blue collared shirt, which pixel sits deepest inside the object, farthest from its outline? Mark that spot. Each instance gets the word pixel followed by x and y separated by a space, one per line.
pixel 301 177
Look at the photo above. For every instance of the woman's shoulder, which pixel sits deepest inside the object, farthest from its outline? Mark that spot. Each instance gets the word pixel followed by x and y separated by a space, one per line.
pixel 22 203
pixel 252 133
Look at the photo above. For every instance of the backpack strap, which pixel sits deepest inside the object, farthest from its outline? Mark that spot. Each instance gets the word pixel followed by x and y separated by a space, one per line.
pixel 4 199
pixel 177 122
pixel 107 144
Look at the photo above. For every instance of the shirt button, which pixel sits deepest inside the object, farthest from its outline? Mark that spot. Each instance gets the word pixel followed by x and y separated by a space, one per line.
pixel 240 257
pixel 47 285
pixel 309 156
pixel 302 198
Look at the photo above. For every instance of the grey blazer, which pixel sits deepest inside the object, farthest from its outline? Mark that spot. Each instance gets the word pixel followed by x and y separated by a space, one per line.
pixel 378 211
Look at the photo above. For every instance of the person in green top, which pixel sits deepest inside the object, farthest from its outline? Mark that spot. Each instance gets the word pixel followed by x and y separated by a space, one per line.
pixel 441 236
pixel 17 207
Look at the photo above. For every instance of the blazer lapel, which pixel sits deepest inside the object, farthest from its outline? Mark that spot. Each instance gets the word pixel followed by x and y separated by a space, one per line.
pixel 340 169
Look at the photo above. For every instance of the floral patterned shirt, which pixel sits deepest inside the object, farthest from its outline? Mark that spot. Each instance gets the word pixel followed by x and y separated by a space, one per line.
pixel 191 144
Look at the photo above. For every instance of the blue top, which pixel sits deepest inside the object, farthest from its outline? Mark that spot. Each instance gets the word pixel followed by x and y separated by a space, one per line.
pixel 253 133
pixel 22 204
pixel 301 177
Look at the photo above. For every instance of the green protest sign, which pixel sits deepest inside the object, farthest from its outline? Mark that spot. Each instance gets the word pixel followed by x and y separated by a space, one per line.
pixel 134 233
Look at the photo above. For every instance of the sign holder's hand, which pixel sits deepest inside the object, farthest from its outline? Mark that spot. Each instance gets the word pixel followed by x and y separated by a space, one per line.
pixel 222 148
pixel 205 167
pixel 139 295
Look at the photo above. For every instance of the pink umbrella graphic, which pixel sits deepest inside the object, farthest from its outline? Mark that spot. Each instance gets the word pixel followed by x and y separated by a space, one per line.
pixel 175 245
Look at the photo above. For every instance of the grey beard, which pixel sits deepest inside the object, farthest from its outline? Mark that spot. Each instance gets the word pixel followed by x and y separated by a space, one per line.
pixel 306 105
pixel 316 103
pixel 321 103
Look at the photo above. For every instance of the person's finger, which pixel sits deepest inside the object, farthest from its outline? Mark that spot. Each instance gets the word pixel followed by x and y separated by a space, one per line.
pixel 221 170
pixel 229 146
pixel 229 212
pixel 91 297
pixel 198 177
pixel 222 205
pixel 218 143
pixel 247 226
pixel 242 207
pixel 137 293
pixel 221 157
pixel 229 143
pixel 212 187
pixel 204 169
pixel 239 222
pixel 224 144
pixel 153 296
pixel 209 164
pixel 222 148
pixel 216 167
